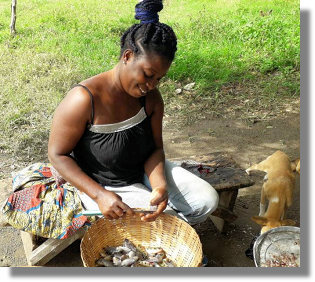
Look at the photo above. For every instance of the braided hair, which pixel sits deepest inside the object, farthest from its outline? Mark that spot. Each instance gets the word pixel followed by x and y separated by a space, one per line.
pixel 150 35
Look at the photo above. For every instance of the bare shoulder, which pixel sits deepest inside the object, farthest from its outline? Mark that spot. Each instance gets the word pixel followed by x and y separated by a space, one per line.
pixel 69 122
pixel 75 106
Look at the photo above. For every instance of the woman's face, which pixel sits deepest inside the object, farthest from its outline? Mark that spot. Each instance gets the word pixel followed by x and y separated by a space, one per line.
pixel 141 74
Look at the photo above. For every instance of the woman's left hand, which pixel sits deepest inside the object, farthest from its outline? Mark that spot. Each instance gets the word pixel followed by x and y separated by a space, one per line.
pixel 159 198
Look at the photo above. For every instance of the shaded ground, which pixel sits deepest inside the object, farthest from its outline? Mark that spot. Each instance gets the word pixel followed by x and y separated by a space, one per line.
pixel 248 143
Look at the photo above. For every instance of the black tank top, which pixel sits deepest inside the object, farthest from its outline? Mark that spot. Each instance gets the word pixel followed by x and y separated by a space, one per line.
pixel 114 154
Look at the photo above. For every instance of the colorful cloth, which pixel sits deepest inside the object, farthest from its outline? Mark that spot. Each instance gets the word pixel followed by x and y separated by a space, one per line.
pixel 39 206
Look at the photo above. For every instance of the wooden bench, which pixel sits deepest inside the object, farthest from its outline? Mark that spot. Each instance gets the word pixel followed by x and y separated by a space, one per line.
pixel 225 175
pixel 219 169
pixel 39 254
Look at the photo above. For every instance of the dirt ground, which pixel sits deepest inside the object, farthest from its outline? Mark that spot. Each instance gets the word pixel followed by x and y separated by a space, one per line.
pixel 247 144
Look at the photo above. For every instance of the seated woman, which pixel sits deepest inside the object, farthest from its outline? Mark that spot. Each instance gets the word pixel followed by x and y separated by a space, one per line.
pixel 106 134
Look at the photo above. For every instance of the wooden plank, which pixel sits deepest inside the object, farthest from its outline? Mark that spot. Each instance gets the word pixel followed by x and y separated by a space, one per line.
pixel 225 198
pixel 222 178
pixel 52 247
pixel 29 244
pixel 218 222
pixel 225 214
pixel 233 200
pixel 219 169
pixel 215 159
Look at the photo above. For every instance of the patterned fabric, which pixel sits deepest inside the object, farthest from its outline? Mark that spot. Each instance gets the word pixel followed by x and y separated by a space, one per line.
pixel 39 206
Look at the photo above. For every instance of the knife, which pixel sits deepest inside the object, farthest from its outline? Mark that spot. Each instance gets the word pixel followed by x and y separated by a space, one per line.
pixel 138 210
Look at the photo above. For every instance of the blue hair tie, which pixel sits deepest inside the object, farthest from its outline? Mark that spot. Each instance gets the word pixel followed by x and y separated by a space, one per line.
pixel 146 16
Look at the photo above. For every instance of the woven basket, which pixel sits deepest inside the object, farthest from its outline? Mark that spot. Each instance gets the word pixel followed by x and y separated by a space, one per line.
pixel 178 239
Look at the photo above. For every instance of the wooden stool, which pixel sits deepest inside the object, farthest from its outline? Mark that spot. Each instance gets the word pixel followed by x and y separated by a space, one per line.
pixel 221 171
pixel 38 255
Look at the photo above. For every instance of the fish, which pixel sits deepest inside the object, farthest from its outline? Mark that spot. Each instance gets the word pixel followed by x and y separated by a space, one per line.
pixel 130 255
pixel 145 263
pixel 110 250
pixel 116 261
pixel 154 251
pixel 167 263
pixel 129 261
pixel 105 256
pixel 123 249
pixel 104 262
pixel 120 256
pixel 128 244
pixel 156 259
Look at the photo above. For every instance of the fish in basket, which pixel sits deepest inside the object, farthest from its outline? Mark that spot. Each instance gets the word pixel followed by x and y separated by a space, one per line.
pixel 134 256
pixel 166 242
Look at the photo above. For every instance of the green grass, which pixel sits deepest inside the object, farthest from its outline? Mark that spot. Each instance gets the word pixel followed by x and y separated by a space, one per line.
pixel 59 43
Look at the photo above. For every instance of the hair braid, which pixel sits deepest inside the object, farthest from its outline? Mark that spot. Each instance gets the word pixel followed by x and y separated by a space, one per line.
pixel 147 34
pixel 123 37
pixel 156 5
pixel 133 44
pixel 164 36
pixel 150 34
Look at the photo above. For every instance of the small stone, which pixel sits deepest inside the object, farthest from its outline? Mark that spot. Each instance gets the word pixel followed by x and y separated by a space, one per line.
pixel 211 132
pixel 189 86
pixel 178 91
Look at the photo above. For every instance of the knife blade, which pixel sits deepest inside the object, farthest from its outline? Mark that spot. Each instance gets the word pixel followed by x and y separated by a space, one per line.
pixel 137 210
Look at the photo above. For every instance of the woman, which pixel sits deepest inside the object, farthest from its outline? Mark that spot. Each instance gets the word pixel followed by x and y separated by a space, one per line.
pixel 106 141
pixel 112 123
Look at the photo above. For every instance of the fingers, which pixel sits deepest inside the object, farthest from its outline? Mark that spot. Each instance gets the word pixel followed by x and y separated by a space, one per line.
pixel 117 208
pixel 156 201
pixel 158 195
pixel 118 211
pixel 109 216
pixel 152 216
pixel 126 208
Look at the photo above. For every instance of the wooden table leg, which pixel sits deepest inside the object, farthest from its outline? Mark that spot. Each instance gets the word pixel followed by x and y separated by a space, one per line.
pixel 226 201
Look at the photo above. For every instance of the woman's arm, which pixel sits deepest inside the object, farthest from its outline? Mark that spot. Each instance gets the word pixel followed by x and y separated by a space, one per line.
pixel 69 123
pixel 154 166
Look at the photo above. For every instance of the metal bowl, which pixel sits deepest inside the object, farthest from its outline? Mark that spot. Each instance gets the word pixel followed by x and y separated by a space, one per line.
pixel 277 242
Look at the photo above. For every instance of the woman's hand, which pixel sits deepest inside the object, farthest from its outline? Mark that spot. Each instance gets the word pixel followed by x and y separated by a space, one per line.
pixel 159 198
pixel 111 205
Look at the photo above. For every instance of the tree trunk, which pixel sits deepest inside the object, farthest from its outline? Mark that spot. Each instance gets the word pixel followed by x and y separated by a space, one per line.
pixel 13 16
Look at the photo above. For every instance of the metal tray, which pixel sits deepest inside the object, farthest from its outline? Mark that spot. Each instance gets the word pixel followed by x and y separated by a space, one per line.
pixel 276 242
